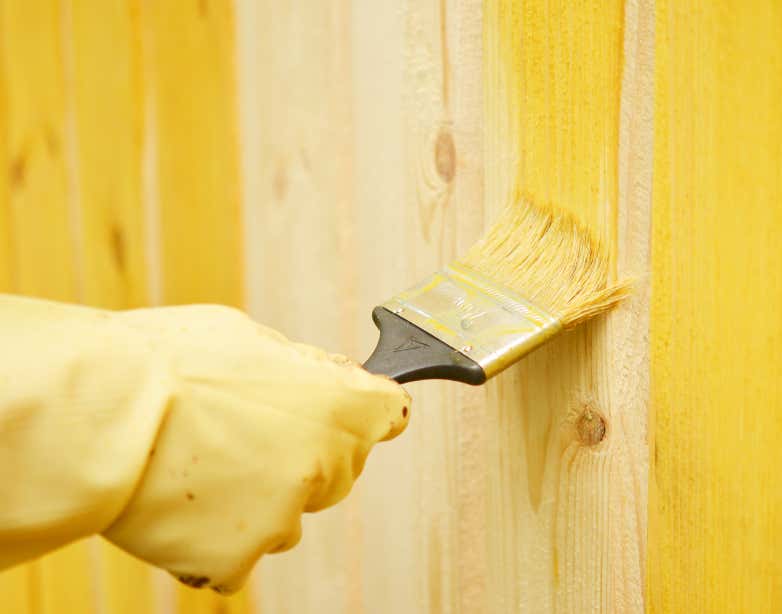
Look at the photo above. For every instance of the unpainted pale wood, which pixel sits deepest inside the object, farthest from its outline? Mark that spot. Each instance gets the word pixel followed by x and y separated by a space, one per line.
pixel 422 495
pixel 297 143
pixel 716 513
pixel 569 122
pixel 444 179
pixel 351 171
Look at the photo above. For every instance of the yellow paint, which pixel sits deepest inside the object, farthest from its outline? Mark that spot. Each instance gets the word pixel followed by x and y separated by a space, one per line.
pixel 559 70
pixel 6 249
pixel 36 144
pixel 40 257
pixel 553 76
pixel 716 518
pixel 194 90
pixel 105 60
pixel 107 99
pixel 71 96
pixel 194 106
pixel 566 520
pixel 190 601
pixel 16 589
pixel 67 581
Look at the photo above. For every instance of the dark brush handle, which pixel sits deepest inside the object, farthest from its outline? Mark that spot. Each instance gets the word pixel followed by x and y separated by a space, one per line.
pixel 407 353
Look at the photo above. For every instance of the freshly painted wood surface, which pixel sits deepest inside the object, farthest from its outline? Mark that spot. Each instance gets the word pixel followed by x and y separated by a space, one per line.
pixel 41 249
pixel 190 73
pixel 6 231
pixel 103 43
pixel 36 142
pixel 193 89
pixel 569 120
pixel 716 516
pixel 83 119
pixel 104 60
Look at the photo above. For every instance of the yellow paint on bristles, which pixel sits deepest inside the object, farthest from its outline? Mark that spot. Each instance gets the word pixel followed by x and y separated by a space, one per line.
pixel 549 257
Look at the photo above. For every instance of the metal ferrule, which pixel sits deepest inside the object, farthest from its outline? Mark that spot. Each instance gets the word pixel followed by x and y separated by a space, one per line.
pixel 490 324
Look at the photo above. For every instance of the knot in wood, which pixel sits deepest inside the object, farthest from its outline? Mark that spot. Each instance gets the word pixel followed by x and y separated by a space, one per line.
pixel 591 427
pixel 445 155
pixel 280 181
pixel 17 171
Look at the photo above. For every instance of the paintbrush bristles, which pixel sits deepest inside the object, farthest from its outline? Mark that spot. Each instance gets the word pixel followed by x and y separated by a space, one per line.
pixel 548 257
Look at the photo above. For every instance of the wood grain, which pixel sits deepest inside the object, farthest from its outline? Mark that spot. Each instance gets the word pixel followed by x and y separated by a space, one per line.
pixel 42 223
pixel 297 140
pixel 193 182
pixel 6 171
pixel 37 186
pixel 366 144
pixel 108 94
pixel 351 175
pixel 18 589
pixel 104 109
pixel 422 496
pixel 193 89
pixel 716 516
pixel 104 54
pixel 569 121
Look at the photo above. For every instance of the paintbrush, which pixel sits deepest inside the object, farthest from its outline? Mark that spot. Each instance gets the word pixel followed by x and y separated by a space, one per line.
pixel 536 272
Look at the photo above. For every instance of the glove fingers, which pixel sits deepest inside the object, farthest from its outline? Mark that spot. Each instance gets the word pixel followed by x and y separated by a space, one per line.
pixel 258 431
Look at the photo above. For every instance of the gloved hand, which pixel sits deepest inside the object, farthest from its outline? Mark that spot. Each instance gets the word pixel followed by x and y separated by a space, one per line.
pixel 192 437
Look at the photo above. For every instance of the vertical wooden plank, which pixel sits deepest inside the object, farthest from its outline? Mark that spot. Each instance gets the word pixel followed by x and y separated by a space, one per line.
pixel 92 138
pixel 6 235
pixel 443 178
pixel 15 590
pixel 349 174
pixel 72 139
pixel 33 67
pixel 716 518
pixel 64 581
pixel 190 65
pixel 194 93
pixel 386 493
pixel 301 234
pixel 303 138
pixel 42 223
pixel 15 585
pixel 422 495
pixel 569 86
pixel 104 41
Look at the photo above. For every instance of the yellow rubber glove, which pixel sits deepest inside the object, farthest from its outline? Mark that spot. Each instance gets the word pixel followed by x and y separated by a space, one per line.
pixel 191 436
